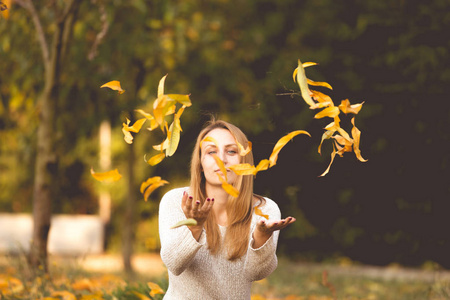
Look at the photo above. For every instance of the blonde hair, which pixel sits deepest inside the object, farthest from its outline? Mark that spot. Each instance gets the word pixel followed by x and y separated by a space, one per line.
pixel 239 209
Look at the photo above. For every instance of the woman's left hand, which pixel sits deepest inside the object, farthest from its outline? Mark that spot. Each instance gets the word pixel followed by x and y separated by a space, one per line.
pixel 264 229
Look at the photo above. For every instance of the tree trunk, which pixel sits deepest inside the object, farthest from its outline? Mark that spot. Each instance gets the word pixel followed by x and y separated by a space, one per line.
pixel 46 169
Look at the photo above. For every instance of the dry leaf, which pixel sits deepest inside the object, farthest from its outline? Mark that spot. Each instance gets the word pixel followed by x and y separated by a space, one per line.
pixel 243 169
pixel 333 154
pixel 106 176
pixel 156 159
pixel 356 134
pixel 331 112
pixel 318 83
pixel 183 99
pixel 114 85
pixel 281 143
pixel 156 289
pixel 209 139
pixel 259 212
pixel 326 135
pixel 244 151
pixel 231 190
pixel 186 222
pixel 64 294
pixel 150 185
pixel 126 129
pixel 141 296
pixel 346 108
pixel 303 84
pixel 220 164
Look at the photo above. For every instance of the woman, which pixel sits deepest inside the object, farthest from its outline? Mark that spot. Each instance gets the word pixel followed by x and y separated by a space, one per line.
pixel 231 246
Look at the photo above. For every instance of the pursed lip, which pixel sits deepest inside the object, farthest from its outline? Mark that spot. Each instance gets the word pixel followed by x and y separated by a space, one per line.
pixel 220 171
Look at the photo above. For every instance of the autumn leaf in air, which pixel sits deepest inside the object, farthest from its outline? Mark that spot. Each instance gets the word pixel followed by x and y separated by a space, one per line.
pixel 186 222
pixel 259 212
pixel 281 143
pixel 127 129
pixel 150 185
pixel 4 8
pixel 114 85
pixel 109 176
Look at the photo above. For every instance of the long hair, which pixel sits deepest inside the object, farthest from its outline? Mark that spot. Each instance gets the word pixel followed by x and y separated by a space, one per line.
pixel 239 210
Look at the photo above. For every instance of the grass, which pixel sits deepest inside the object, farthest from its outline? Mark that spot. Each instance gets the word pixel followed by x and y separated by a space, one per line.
pixel 291 281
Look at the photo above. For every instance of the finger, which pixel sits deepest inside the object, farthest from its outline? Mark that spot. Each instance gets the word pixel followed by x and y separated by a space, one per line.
pixel 183 200
pixel 208 204
pixel 189 203
pixel 196 206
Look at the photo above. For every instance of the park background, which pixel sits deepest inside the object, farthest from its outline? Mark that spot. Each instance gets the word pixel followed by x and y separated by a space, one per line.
pixel 235 59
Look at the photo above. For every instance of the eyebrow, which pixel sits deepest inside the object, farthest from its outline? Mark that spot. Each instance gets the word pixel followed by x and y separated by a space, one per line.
pixel 214 145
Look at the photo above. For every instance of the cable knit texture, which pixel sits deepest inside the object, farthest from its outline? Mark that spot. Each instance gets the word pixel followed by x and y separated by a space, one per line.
pixel 195 274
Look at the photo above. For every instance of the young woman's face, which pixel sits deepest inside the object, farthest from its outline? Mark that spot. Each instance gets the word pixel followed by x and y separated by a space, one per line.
pixel 226 150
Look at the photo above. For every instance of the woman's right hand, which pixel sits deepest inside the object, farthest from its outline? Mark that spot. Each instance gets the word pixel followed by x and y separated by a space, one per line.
pixel 195 210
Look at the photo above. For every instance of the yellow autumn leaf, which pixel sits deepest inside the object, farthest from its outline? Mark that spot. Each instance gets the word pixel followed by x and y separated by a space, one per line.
pixel 114 85
pixel 155 289
pixel 348 108
pixel 182 99
pixel 262 166
pixel 231 190
pixel 209 139
pixel 344 134
pixel 356 134
pixel 259 212
pixel 156 159
pixel 324 100
pixel 161 86
pixel 326 135
pixel 109 176
pixel 151 185
pixel 163 146
pixel 148 116
pixel 141 296
pixel 66 295
pixel 221 166
pixel 303 84
pixel 186 222
pixel 82 284
pixel 342 145
pixel 244 151
pixel 318 83
pixel 331 112
pixel 174 133
pixel 281 143
pixel 126 129
pixel 160 108
pixel 333 154
pixel 5 5
pixel 243 169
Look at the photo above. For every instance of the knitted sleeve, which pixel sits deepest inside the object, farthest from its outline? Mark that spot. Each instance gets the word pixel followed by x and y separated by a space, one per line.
pixel 178 246
pixel 261 262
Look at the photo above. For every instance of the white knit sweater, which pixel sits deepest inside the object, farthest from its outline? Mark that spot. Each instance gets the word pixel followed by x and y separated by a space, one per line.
pixel 196 274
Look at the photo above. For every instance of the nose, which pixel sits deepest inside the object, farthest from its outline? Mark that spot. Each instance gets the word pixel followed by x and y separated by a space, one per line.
pixel 223 157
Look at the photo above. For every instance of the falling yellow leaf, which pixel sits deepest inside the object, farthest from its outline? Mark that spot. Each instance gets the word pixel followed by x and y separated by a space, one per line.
pixel 324 100
pixel 318 83
pixel 303 84
pixel 161 86
pixel 163 146
pixel 126 129
pixel 326 135
pixel 220 164
pixel 259 212
pixel 244 151
pixel 333 154
pixel 5 5
pixel 109 176
pixel 182 99
pixel 209 139
pixel 347 108
pixel 231 190
pixel 174 136
pixel 114 85
pixel 186 222
pixel 262 166
pixel 356 134
pixel 160 108
pixel 155 289
pixel 150 185
pixel 156 159
pixel 331 112
pixel 243 169
pixel 281 143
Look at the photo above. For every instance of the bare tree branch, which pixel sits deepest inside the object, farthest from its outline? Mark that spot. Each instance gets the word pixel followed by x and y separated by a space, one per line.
pixel 105 26
pixel 29 6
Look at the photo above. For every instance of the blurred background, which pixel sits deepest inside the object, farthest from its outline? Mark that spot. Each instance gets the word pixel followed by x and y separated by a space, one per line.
pixel 235 59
